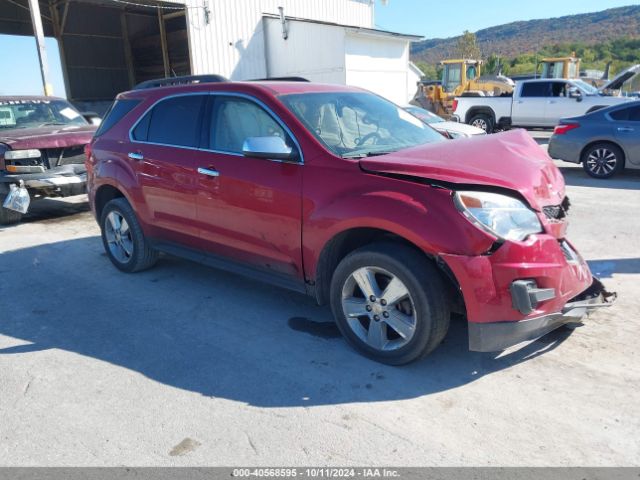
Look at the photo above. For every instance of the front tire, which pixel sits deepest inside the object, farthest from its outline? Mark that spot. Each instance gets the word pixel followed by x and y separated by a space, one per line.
pixel 390 303
pixel 8 217
pixel 603 160
pixel 123 239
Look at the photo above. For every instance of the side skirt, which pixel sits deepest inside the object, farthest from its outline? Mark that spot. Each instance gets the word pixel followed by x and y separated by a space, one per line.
pixel 232 266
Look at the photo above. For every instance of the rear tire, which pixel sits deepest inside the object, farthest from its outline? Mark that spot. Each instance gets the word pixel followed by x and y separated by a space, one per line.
pixel 603 160
pixel 123 239
pixel 406 325
pixel 483 121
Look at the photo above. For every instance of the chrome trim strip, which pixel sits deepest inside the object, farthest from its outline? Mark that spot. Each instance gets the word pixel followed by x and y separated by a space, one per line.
pixel 226 94
pixel 208 172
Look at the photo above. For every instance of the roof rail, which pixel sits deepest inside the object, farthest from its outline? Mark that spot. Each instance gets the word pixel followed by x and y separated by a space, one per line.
pixel 173 81
pixel 280 79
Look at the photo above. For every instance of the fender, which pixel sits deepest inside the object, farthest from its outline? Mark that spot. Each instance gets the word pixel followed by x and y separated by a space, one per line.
pixel 416 213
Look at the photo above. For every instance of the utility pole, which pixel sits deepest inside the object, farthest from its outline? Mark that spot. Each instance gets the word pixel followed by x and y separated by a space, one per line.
pixel 36 20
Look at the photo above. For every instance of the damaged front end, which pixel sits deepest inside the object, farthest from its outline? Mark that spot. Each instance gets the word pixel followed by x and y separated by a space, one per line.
pixel 496 336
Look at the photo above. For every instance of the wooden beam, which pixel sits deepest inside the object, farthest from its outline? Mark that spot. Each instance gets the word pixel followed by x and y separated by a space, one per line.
pixel 24 7
pixel 165 48
pixel 169 16
pixel 128 57
pixel 63 23
pixel 57 33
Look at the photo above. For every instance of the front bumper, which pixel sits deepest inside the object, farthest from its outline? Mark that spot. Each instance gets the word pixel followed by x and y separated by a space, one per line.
pixel 523 290
pixel 496 336
pixel 61 181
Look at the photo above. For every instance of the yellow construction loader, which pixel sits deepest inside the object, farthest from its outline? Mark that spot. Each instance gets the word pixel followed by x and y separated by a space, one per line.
pixel 460 77
pixel 561 67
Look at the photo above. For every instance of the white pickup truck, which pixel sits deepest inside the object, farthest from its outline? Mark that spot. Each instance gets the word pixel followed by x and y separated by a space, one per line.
pixel 534 103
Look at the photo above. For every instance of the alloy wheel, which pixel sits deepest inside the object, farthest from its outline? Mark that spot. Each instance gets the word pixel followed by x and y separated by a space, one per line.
pixel 379 308
pixel 480 123
pixel 602 162
pixel 118 236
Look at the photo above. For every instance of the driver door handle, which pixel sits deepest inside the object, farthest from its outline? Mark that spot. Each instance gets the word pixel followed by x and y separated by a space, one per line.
pixel 135 156
pixel 625 129
pixel 208 171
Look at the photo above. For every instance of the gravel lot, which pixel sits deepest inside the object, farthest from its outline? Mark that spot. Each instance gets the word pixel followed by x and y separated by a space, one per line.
pixel 185 365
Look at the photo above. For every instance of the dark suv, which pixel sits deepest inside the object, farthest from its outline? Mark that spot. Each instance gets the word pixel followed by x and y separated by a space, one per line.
pixel 340 194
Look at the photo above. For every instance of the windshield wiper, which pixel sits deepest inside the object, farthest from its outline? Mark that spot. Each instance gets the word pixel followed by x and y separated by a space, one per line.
pixel 52 123
pixel 366 154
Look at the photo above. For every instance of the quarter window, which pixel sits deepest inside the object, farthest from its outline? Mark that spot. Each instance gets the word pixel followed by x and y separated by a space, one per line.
pixel 116 112
pixel 236 119
pixel 631 114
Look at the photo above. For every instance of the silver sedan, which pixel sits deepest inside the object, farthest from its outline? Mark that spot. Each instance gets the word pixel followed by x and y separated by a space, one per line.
pixel 605 142
pixel 449 129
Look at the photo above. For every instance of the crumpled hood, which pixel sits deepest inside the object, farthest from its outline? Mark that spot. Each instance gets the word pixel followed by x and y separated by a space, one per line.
pixel 52 136
pixel 510 160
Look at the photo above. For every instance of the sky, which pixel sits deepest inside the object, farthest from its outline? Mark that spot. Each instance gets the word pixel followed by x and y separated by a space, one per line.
pixel 431 18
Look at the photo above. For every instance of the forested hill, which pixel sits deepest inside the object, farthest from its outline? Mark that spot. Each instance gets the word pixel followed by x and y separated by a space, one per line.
pixel 517 38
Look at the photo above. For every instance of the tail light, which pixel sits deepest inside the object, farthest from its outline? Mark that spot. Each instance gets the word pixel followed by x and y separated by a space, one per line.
pixel 455 104
pixel 564 128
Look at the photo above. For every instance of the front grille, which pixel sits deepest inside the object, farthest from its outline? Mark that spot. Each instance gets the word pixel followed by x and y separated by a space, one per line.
pixel 55 157
pixel 557 212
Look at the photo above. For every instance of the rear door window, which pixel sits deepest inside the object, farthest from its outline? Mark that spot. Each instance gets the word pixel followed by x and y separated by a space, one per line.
pixel 175 121
pixel 536 89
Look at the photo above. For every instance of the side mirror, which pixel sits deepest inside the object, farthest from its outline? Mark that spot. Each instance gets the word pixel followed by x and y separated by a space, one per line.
pixel 268 147
pixel 574 92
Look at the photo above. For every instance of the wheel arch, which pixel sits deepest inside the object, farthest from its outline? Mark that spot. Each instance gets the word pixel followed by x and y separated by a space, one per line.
pixel 473 111
pixel 604 140
pixel 104 194
pixel 351 239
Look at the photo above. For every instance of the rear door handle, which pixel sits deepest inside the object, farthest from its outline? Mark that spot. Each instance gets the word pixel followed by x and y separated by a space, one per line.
pixel 135 156
pixel 625 129
pixel 209 172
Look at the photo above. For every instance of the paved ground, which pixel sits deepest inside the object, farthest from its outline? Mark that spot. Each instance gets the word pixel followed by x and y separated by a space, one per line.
pixel 184 365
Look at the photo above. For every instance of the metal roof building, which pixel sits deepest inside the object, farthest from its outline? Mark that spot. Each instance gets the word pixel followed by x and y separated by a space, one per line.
pixel 107 46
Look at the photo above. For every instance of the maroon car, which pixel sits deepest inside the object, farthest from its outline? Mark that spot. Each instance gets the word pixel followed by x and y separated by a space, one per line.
pixel 42 142
pixel 338 193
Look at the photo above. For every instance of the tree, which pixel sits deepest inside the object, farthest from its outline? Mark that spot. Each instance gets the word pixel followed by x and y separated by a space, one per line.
pixel 493 64
pixel 466 46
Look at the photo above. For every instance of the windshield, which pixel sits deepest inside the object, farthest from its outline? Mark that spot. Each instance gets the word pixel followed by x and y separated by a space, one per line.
pixel 584 86
pixel 37 113
pixel 425 115
pixel 355 124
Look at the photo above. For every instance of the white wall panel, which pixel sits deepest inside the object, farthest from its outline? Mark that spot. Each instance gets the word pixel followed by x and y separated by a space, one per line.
pixel 379 64
pixel 313 51
pixel 232 42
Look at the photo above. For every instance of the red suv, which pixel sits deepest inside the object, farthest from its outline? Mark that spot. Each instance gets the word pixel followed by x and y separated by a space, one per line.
pixel 340 194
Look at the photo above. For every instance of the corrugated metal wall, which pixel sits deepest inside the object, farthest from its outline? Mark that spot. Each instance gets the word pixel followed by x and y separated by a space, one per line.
pixel 231 43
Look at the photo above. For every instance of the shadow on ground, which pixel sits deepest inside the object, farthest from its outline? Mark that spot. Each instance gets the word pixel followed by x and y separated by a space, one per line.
pixel 206 331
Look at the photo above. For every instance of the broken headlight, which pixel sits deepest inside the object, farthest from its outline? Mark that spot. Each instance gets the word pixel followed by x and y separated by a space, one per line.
pixel 503 216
